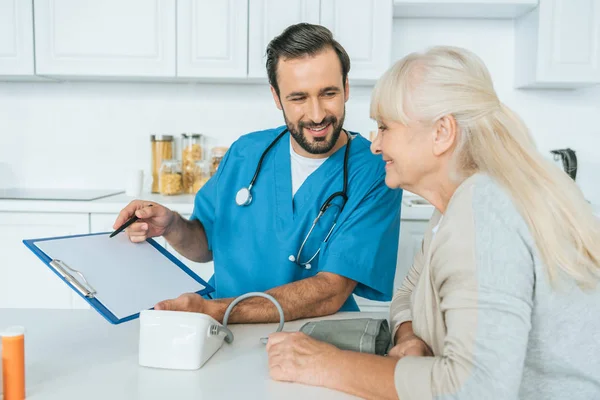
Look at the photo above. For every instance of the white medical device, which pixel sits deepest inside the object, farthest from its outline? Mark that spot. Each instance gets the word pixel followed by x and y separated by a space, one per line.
pixel 186 340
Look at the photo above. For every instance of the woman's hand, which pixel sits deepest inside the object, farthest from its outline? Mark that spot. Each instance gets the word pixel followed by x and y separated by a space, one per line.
pixel 296 357
pixel 410 345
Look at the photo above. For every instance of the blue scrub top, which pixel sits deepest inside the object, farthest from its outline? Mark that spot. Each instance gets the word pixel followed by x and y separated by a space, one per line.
pixel 251 244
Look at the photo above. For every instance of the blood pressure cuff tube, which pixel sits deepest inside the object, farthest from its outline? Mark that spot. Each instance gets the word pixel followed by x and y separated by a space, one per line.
pixel 364 335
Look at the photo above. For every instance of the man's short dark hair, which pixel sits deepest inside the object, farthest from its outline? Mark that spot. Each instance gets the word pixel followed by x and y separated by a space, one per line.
pixel 302 40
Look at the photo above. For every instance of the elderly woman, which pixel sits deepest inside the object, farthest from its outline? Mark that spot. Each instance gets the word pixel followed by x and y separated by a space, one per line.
pixel 502 300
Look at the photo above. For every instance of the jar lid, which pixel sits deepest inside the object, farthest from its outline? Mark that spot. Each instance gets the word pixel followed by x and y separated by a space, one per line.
pixel 219 150
pixel 191 135
pixel 161 138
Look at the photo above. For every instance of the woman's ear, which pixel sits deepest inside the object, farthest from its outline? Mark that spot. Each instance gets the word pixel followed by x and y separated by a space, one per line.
pixel 446 133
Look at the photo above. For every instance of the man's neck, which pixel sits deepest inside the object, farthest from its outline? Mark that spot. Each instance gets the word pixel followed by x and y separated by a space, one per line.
pixel 342 140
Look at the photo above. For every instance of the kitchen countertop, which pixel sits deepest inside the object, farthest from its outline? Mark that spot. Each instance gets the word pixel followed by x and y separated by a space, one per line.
pixel 76 354
pixel 183 204
pixel 412 207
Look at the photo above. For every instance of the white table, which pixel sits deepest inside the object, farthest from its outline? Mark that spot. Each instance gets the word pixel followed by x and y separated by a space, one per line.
pixel 76 354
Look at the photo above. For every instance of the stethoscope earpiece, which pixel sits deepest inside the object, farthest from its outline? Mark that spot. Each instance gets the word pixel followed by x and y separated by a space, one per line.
pixel 243 197
pixel 293 259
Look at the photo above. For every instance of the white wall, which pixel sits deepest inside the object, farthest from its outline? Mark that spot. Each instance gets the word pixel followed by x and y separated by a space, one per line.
pixel 89 134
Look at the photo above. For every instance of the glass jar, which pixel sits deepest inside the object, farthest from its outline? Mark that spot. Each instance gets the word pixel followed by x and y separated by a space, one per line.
pixel 201 176
pixel 192 145
pixel 195 176
pixel 170 180
pixel 162 149
pixel 216 155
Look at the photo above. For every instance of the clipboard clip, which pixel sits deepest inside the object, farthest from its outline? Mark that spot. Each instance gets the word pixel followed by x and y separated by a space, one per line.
pixel 63 269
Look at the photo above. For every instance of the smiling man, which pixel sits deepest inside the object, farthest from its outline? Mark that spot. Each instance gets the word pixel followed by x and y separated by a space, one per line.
pixel 257 216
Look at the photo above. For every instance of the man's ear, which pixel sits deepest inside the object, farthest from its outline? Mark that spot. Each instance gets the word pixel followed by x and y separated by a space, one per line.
pixel 445 135
pixel 276 98
pixel 346 90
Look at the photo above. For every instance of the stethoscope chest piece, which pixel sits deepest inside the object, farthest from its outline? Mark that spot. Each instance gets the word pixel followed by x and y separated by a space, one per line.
pixel 243 197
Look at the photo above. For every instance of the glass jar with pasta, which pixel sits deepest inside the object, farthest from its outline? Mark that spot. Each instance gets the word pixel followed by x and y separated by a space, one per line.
pixel 192 145
pixel 162 149
pixel 216 155
pixel 170 178
pixel 201 175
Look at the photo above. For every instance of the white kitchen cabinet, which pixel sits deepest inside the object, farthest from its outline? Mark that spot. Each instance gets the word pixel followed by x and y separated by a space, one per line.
pixel 109 38
pixel 25 281
pixel 212 38
pixel 411 238
pixel 490 9
pixel 364 29
pixel 16 38
pixel 558 45
pixel 268 18
pixel 203 270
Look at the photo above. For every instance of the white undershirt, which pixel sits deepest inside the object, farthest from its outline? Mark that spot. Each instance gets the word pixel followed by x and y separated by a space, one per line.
pixel 302 167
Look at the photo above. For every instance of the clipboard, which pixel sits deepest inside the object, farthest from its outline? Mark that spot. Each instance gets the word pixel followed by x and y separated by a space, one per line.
pixel 84 287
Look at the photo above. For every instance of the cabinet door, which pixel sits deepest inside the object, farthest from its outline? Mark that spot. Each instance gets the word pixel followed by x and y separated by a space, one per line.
pixel 558 45
pixel 268 18
pixel 203 270
pixel 25 281
pixel 16 37
pixel 570 40
pixel 411 239
pixel 366 305
pixel 364 29
pixel 105 38
pixel 212 38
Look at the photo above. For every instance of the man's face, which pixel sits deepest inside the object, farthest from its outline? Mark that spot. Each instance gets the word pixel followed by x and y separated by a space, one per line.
pixel 312 98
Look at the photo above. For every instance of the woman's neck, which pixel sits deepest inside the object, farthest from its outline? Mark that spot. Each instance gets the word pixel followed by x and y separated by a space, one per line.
pixel 437 190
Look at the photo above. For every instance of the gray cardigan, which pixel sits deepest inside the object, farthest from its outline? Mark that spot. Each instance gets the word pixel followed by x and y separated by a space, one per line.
pixel 479 295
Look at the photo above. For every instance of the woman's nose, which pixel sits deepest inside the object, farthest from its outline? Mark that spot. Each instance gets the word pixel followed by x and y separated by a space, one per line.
pixel 376 145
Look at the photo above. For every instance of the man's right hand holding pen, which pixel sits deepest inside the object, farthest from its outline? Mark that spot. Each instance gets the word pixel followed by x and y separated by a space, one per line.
pixel 154 220
pixel 188 238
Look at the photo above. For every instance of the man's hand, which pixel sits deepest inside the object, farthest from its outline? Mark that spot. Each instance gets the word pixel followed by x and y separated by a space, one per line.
pixel 191 302
pixel 154 220
pixel 410 345
pixel 319 295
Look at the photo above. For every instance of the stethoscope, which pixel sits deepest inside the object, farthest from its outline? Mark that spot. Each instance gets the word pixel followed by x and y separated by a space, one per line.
pixel 244 198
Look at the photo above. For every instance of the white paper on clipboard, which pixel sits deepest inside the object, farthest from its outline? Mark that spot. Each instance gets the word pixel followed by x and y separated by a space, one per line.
pixel 127 277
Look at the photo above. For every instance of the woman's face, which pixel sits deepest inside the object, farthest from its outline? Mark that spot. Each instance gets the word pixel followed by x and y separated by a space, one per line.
pixel 407 151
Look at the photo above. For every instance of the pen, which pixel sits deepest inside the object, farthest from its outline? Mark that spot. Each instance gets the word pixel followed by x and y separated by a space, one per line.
pixel 126 224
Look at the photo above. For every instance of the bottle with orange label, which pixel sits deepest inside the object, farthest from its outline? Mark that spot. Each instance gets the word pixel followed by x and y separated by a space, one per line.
pixel 13 363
